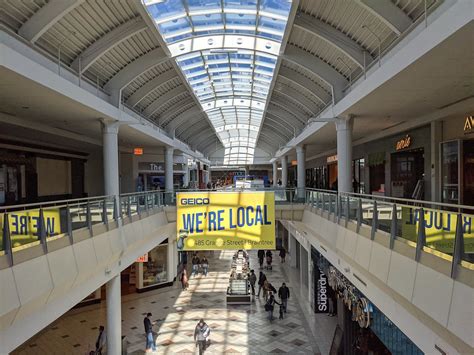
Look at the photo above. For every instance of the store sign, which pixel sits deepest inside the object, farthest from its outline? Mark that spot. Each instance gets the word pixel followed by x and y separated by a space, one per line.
pixel 321 292
pixel 440 228
pixel 469 125
pixel 225 220
pixel 294 162
pixel 403 143
pixel 331 159
pixel 24 225
pixel 137 151
pixel 142 259
pixel 151 166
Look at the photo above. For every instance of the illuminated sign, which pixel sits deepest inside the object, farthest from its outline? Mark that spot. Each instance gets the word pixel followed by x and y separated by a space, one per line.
pixel 321 292
pixel 137 151
pixel 294 162
pixel 225 220
pixel 331 159
pixel 403 143
pixel 469 125
pixel 142 259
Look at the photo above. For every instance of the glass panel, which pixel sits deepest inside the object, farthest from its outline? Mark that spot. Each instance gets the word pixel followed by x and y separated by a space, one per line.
pixel 155 270
pixel 450 172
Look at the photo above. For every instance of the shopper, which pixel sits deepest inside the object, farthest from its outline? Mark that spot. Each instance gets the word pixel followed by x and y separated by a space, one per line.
pixel 284 294
pixel 201 335
pixel 270 306
pixel 252 280
pixel 269 260
pixel 282 254
pixel 205 266
pixel 150 342
pixel 261 281
pixel 261 256
pixel 101 341
pixel 266 290
pixel 331 302
pixel 195 264
pixel 184 280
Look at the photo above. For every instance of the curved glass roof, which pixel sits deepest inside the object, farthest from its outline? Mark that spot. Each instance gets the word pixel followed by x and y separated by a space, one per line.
pixel 227 50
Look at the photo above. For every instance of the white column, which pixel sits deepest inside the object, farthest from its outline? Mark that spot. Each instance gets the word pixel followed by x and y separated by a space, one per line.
pixel 110 156
pixel 186 175
pixel 284 171
pixel 275 173
pixel 114 316
pixel 292 251
pixel 436 139
pixel 344 154
pixel 172 259
pixel 169 169
pixel 301 172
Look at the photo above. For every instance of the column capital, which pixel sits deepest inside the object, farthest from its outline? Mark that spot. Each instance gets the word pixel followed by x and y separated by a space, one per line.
pixel 344 123
pixel 169 149
pixel 109 126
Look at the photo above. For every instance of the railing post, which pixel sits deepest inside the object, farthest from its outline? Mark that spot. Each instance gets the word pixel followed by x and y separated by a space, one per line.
pixel 138 204
pixel 421 240
pixel 7 242
pixel 129 207
pixel 339 207
pixel 69 224
pixel 89 216
pixel 117 207
pixel 458 251
pixel 312 199
pixel 359 214
pixel 348 210
pixel 393 227
pixel 42 231
pixel 375 221
pixel 146 201
pixel 105 217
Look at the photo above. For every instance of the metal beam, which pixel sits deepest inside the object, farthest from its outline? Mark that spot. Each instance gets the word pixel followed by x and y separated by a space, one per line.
pixel 283 112
pixel 323 70
pixel 163 99
pixel 306 83
pixel 194 128
pixel 278 114
pixel 275 132
pixel 203 136
pixel 107 42
pixel 298 101
pixel 332 36
pixel 298 97
pixel 183 117
pixel 150 86
pixel 282 124
pixel 46 17
pixel 270 142
pixel 389 13
pixel 208 144
pixel 133 70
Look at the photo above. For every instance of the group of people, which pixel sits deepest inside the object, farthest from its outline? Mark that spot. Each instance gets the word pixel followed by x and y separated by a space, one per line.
pixel 268 257
pixel 199 265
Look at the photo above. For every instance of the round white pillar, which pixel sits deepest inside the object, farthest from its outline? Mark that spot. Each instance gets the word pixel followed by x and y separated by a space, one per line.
pixel 284 171
pixel 275 173
pixel 169 169
pixel 300 171
pixel 344 154
pixel 114 316
pixel 110 157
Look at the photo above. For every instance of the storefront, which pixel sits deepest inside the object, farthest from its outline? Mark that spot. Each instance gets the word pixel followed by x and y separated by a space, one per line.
pixel 151 176
pixel 362 327
pixel 457 161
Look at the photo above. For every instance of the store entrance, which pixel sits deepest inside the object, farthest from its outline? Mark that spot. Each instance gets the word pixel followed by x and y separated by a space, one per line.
pixel 407 173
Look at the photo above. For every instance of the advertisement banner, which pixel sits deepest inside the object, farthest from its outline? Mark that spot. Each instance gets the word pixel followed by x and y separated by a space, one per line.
pixel 440 228
pixel 219 220
pixel 24 225
pixel 321 296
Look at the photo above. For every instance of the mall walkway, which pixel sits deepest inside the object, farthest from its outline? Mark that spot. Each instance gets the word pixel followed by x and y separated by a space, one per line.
pixel 235 329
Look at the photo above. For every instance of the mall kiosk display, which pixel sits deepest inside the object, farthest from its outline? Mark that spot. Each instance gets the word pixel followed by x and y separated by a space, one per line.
pixel 238 291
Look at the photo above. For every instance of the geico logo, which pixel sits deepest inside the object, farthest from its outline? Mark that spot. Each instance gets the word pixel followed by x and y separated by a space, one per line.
pixel 195 201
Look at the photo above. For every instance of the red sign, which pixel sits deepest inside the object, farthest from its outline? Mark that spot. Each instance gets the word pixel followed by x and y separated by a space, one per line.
pixel 143 259
pixel 137 151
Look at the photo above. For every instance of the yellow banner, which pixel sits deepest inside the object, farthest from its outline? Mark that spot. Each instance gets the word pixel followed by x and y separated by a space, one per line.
pixel 24 225
pixel 440 228
pixel 225 220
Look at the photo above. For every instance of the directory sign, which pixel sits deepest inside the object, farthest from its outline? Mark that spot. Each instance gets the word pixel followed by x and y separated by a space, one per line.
pixel 217 220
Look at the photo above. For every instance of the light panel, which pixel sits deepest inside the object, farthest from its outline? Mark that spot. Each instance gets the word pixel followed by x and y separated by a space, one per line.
pixel 227 50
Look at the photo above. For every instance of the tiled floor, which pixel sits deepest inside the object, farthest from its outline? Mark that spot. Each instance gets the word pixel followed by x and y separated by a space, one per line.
pixel 235 329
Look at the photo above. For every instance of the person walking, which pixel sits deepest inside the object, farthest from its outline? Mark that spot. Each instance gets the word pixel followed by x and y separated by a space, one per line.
pixel 205 266
pixel 284 294
pixel 282 254
pixel 101 341
pixel 331 302
pixel 270 306
pixel 261 256
pixel 201 335
pixel 150 342
pixel 266 289
pixel 252 280
pixel 261 281
pixel 195 265
pixel 184 280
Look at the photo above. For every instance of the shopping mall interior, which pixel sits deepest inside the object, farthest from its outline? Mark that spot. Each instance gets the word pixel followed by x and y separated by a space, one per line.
pixel 236 177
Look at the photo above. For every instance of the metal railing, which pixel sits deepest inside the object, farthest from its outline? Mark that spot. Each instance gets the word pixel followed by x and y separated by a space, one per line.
pixel 445 230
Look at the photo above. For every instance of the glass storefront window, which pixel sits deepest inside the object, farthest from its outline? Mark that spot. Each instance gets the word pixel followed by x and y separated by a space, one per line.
pixel 359 176
pixel 155 270
pixel 450 171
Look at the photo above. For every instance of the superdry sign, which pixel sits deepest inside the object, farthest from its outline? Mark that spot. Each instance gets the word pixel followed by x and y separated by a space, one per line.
pixel 321 292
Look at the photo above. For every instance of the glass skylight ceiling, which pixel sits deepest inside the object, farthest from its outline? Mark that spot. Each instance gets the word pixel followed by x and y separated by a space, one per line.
pixel 227 50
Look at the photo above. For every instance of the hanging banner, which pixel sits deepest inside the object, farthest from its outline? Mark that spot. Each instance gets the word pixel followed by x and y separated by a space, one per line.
pixel 24 225
pixel 440 228
pixel 225 220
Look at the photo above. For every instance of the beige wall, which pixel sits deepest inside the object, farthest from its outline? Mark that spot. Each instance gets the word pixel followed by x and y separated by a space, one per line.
pixel 54 177
pixel 93 174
